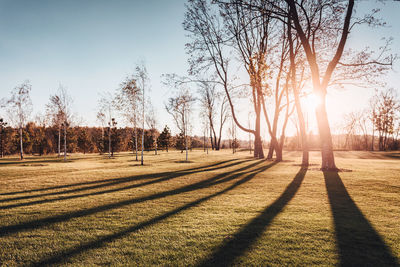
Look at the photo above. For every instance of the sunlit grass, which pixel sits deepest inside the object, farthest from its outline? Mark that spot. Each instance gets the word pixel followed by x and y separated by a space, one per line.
pixel 217 209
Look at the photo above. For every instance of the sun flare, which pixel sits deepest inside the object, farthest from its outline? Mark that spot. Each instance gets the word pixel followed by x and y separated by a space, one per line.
pixel 310 102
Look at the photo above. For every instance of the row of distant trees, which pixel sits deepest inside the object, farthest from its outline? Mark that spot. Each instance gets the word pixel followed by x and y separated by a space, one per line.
pixel 376 127
pixel 41 139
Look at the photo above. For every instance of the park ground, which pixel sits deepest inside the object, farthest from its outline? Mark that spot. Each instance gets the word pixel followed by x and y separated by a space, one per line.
pixel 217 209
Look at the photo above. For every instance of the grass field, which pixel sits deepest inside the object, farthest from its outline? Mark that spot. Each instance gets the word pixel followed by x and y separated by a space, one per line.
pixel 218 209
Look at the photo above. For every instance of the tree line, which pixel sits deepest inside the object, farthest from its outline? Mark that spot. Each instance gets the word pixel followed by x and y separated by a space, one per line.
pixel 377 127
pixel 41 140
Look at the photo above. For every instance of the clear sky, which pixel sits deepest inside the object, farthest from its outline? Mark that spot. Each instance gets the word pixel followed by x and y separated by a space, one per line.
pixel 91 45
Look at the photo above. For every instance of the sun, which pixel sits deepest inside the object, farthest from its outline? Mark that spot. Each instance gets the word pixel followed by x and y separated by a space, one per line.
pixel 310 102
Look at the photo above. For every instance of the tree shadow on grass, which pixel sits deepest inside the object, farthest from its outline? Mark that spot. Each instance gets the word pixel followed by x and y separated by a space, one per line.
pixel 64 255
pixel 33 224
pixel 359 244
pixel 101 181
pixel 103 185
pixel 393 155
pixel 248 235
pixel 29 161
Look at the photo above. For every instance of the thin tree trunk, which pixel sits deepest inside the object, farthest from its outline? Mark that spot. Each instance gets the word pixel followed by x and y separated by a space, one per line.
pixel 141 160
pixel 186 147
pixel 206 134
pixel 109 142
pixel 204 140
pixel 21 143
pixel 258 149
pixel 59 141
pixel 1 143
pixel 102 140
pixel 65 143
pixel 211 139
pixel 299 111
pixel 372 141
pixel 155 146
pixel 136 146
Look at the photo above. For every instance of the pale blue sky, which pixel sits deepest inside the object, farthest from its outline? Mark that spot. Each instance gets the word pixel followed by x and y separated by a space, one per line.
pixel 91 45
pixel 88 46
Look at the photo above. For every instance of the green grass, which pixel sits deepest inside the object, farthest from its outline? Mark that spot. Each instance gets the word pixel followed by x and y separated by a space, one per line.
pixel 217 209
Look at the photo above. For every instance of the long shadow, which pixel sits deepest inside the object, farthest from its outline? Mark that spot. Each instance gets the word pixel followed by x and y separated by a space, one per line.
pixel 137 177
pixel 393 155
pixel 54 160
pixel 116 181
pixel 33 224
pixel 358 242
pixel 62 256
pixel 166 178
pixel 247 235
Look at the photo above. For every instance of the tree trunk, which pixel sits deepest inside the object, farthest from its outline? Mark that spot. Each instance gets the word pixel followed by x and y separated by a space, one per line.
pixel 65 143
pixel 270 150
pixel 204 142
pixel 155 146
pixel 211 139
pixel 303 132
pixel 186 147
pixel 328 159
pixel 136 147
pixel 372 141
pixel 299 111
pixel 258 149
pixel 219 137
pixel 279 153
pixel 59 141
pixel 21 143
pixel 109 142
pixel 1 143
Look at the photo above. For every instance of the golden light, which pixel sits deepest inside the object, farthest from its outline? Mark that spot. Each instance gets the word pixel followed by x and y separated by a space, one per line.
pixel 310 102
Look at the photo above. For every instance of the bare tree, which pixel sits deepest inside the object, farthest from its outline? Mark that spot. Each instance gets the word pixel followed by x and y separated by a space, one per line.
pixel 323 25
pixel 214 104
pixel 295 63
pixel 107 105
pixel 208 49
pixel 180 107
pixel 151 122
pixel 59 108
pixel 143 83
pixel 101 117
pixel 129 98
pixel 386 107
pixel 19 109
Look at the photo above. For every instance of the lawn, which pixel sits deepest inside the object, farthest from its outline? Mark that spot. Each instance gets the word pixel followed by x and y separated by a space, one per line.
pixel 217 209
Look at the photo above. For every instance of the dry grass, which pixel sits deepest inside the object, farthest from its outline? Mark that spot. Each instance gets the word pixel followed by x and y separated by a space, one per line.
pixel 218 209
